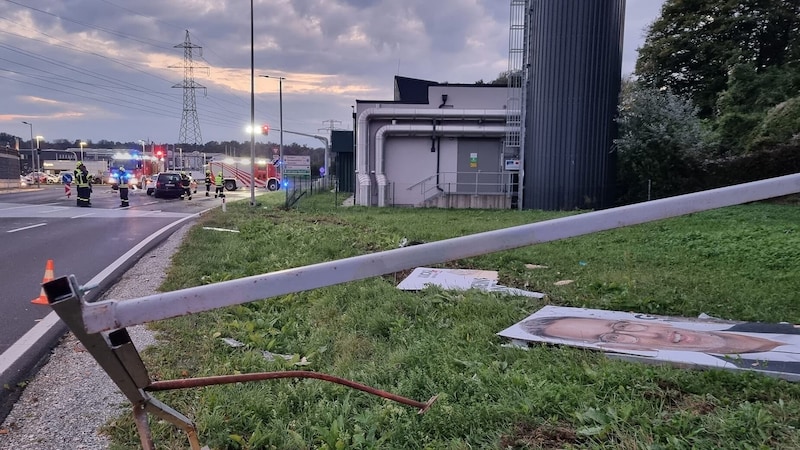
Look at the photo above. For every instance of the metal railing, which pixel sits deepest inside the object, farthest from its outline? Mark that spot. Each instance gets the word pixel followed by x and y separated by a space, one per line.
pixel 454 183
pixel 300 186
pixel 100 326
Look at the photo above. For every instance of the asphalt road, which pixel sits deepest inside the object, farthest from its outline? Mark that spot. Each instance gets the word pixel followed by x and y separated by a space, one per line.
pixel 95 244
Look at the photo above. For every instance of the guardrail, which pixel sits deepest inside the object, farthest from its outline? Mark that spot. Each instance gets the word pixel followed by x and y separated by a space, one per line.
pixel 101 326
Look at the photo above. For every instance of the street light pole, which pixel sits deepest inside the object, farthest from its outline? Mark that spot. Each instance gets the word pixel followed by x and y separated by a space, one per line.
pixel 280 124
pixel 39 154
pixel 33 155
pixel 252 113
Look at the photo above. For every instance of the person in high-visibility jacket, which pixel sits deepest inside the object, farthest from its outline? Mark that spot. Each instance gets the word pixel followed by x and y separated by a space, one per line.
pixel 186 184
pixel 209 180
pixel 81 177
pixel 219 184
pixel 124 184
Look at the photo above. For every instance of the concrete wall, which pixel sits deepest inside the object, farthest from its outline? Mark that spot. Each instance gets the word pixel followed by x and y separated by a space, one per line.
pixel 9 169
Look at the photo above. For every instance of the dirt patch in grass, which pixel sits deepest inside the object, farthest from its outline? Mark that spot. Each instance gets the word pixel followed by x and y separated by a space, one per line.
pixel 678 400
pixel 327 220
pixel 696 405
pixel 791 199
pixel 545 435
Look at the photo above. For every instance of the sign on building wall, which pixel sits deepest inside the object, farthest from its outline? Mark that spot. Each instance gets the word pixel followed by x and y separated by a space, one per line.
pixel 473 160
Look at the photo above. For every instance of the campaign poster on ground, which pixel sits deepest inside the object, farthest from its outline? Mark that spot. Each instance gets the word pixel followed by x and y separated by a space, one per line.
pixel 698 342
pixel 460 279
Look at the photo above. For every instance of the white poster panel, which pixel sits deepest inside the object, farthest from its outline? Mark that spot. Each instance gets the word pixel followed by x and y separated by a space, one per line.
pixel 459 279
pixel 707 342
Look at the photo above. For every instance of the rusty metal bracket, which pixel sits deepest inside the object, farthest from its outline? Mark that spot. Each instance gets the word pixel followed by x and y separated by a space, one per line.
pixel 185 383
pixel 115 353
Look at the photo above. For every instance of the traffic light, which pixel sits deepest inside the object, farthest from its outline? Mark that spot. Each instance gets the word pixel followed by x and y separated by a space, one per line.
pixel 159 153
pixel 265 129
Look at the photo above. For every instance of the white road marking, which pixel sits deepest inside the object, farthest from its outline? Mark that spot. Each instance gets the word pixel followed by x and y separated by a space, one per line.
pixel 18 207
pixel 26 228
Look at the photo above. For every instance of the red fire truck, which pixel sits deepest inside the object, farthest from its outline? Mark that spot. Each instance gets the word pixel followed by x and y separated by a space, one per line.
pixel 140 167
pixel 236 173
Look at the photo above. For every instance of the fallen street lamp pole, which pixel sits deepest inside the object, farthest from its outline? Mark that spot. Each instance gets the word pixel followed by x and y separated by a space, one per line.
pixel 111 314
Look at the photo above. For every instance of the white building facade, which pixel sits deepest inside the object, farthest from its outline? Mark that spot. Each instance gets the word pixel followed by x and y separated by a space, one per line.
pixel 435 145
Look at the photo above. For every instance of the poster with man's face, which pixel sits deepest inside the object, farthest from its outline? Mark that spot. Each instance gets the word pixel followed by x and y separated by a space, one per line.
pixel 772 348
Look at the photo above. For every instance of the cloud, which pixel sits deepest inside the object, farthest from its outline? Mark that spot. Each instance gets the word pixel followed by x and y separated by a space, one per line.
pixel 105 69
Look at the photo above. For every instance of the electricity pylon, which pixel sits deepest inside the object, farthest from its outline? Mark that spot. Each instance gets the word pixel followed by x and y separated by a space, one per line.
pixel 190 124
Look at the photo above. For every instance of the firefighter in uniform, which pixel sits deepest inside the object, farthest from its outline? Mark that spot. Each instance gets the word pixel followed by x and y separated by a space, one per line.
pixel 218 182
pixel 81 177
pixel 90 179
pixel 209 180
pixel 186 183
pixel 124 184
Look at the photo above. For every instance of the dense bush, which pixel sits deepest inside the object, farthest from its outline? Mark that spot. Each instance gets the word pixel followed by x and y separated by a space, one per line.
pixel 781 125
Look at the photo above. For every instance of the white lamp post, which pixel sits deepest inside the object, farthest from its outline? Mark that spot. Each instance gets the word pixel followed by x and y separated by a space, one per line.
pixel 33 155
pixel 82 144
pixel 39 153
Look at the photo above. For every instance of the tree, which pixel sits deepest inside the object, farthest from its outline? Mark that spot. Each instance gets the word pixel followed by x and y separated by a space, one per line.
pixel 780 125
pixel 745 103
pixel 8 140
pixel 693 46
pixel 660 139
pixel 503 78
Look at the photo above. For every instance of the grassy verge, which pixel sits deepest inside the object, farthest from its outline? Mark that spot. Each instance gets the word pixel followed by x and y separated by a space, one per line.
pixel 738 263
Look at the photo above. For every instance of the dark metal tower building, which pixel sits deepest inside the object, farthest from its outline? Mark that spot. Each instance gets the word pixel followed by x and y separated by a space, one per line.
pixel 575 74
pixel 190 124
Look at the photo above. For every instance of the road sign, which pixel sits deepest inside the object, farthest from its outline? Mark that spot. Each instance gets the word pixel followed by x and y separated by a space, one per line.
pixel 297 172
pixel 297 165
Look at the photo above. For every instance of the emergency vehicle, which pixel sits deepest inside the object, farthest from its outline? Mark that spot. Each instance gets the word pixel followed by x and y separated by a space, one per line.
pixel 236 173
pixel 139 167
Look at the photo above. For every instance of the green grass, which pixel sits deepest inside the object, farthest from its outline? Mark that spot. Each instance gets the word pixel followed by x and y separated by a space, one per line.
pixel 738 263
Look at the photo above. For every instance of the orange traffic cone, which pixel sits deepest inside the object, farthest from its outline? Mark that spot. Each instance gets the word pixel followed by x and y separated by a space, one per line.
pixel 48 276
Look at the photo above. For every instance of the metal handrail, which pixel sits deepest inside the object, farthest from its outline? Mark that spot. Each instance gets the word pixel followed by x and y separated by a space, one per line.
pixel 421 182
pixel 503 186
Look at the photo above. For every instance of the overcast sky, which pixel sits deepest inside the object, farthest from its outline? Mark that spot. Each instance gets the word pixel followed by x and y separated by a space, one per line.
pixel 105 69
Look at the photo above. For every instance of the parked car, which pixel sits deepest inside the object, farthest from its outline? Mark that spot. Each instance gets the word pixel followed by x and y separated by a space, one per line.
pixel 150 185
pixel 43 178
pixel 168 184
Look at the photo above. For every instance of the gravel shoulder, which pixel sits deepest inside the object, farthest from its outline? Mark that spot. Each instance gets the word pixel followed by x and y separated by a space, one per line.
pixel 71 397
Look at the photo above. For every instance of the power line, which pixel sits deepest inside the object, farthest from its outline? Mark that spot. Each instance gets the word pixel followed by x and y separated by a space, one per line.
pixel 218 115
pixel 152 42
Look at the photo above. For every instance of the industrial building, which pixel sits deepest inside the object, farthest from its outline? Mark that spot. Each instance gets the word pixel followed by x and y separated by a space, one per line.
pixel 542 141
